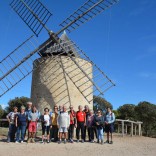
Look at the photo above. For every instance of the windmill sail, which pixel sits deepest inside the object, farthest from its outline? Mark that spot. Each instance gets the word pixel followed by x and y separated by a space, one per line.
pixel 97 83
pixel 18 64
pixel 85 13
pixel 33 13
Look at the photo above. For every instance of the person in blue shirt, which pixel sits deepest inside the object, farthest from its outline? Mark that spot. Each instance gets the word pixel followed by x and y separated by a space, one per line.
pixel 109 124
pixel 21 123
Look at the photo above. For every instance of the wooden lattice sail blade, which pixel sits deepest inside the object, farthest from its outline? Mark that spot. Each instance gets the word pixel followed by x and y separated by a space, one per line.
pixel 85 13
pixel 17 65
pixel 81 71
pixel 33 13
pixel 97 83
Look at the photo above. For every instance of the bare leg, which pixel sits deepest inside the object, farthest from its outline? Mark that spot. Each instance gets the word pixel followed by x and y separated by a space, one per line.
pixel 65 135
pixel 29 135
pixel 60 135
pixel 33 135
pixel 42 137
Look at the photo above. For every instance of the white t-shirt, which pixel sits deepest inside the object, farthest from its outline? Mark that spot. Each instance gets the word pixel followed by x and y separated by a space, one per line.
pixel 12 115
pixel 47 119
pixel 63 119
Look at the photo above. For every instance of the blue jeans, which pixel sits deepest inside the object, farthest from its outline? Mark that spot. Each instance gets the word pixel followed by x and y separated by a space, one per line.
pixel 20 129
pixel 11 132
pixel 100 134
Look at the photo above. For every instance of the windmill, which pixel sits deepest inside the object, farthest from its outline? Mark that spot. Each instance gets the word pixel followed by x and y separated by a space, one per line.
pixel 62 73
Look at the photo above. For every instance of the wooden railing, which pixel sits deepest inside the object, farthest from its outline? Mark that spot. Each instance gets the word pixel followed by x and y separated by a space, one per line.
pixel 133 125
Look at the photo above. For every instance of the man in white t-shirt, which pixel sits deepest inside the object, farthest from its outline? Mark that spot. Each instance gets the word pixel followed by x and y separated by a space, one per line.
pixel 63 124
pixel 12 128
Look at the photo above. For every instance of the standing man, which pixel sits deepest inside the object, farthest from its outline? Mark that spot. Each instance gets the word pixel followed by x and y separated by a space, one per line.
pixel 72 114
pixel 33 117
pixel 60 109
pixel 28 111
pixel 54 126
pixel 29 107
pixel 80 123
pixel 63 124
pixel 109 124
pixel 87 111
pixel 12 128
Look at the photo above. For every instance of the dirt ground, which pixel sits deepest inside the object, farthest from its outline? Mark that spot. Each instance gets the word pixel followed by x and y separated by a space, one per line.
pixel 127 146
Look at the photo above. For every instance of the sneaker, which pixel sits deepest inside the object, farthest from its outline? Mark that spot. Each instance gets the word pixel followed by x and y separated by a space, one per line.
pixel 92 141
pixel 48 141
pixel 111 142
pixel 107 142
pixel 16 141
pixel 71 141
pixel 33 140
pixel 42 141
pixel 77 141
pixel 21 141
pixel 29 140
pixel 82 141
pixel 59 142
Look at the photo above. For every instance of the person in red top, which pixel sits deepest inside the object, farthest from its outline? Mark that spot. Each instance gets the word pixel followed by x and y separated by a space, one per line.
pixel 72 114
pixel 80 123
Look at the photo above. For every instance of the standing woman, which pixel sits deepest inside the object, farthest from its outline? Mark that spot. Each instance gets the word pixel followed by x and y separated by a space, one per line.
pixel 90 124
pixel 99 123
pixel 54 126
pixel 46 121
pixel 21 123
pixel 72 114
pixel 109 124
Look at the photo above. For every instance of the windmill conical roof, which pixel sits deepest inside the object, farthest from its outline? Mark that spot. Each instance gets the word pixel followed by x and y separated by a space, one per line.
pixel 69 43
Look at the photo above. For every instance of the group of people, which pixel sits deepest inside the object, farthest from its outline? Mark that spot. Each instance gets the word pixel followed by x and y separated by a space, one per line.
pixel 59 125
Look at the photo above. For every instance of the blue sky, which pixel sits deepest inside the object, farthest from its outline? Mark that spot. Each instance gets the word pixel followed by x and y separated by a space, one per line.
pixel 121 41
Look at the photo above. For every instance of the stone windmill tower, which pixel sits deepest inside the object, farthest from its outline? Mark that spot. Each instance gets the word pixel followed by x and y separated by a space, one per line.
pixel 62 73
